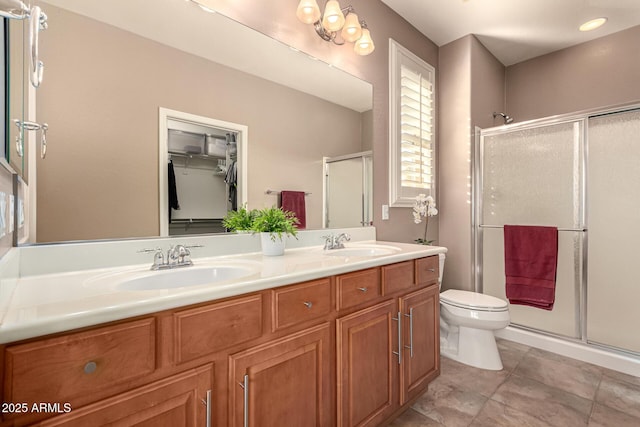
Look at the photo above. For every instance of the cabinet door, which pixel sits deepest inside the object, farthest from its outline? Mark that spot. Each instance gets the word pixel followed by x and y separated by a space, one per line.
pixel 180 400
pixel 367 368
pixel 421 340
pixel 285 382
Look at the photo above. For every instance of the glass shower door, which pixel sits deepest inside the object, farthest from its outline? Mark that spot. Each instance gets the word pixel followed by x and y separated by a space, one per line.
pixel 349 191
pixel 533 176
pixel 614 232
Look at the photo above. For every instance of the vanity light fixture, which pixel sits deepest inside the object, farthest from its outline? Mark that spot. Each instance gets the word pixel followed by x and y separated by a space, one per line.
pixel 337 25
pixel 593 24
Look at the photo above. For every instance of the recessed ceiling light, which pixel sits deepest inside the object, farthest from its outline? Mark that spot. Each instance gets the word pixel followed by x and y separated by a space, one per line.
pixel 593 24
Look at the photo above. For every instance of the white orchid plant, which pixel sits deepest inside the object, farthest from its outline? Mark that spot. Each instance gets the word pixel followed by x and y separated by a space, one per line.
pixel 424 207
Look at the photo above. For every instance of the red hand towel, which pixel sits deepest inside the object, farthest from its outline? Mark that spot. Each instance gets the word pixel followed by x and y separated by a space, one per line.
pixel 293 201
pixel 530 261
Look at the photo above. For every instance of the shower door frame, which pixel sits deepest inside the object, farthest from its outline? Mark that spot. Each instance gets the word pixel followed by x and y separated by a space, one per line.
pixel 476 217
pixel 477 228
pixel 367 186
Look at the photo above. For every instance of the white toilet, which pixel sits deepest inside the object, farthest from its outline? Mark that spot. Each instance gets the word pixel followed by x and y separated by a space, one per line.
pixel 467 322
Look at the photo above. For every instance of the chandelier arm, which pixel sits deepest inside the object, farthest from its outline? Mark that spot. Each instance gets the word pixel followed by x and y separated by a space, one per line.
pixel 324 34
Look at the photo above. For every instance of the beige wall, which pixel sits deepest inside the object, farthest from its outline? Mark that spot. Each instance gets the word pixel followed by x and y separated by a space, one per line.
pixel 277 18
pixel 471 88
pixel 100 177
pixel 594 74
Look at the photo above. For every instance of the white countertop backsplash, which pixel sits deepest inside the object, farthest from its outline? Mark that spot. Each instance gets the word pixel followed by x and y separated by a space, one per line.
pixel 53 288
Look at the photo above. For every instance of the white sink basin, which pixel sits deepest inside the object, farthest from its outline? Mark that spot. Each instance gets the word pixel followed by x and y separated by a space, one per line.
pixel 363 251
pixel 177 278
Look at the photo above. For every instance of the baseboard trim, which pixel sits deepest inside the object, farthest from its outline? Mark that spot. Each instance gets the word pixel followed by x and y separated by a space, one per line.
pixel 587 353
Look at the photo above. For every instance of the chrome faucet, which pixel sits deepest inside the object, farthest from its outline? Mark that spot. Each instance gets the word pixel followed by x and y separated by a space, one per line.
pixel 177 256
pixel 333 241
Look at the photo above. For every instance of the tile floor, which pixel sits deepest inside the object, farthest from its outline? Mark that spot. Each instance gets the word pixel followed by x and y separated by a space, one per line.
pixel 535 388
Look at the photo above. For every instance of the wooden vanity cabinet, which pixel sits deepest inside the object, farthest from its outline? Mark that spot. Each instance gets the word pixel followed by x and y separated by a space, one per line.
pixel 420 312
pixel 388 353
pixel 180 400
pixel 349 350
pixel 367 365
pixel 71 367
pixel 285 382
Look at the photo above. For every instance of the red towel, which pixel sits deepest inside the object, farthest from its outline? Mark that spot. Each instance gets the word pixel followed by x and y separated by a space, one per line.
pixel 293 201
pixel 530 263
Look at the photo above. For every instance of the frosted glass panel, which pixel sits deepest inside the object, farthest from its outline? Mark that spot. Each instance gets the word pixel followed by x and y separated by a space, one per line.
pixel 345 193
pixel 614 230
pixel 532 176
pixel 563 319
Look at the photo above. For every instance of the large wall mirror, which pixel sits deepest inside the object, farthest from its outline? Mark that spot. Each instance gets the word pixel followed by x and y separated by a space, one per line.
pixel 112 65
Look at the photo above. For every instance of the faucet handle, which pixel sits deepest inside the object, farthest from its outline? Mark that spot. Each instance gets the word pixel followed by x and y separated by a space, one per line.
pixel 328 241
pixel 158 259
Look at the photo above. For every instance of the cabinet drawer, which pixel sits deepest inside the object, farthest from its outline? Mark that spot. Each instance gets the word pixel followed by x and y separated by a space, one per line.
pixel 396 277
pixel 59 369
pixel 357 288
pixel 299 303
pixel 205 330
pixel 427 270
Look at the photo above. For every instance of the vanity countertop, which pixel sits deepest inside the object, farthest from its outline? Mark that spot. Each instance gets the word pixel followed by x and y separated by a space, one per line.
pixel 48 303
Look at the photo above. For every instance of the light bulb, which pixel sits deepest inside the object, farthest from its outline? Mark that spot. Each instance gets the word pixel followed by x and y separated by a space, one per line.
pixel 364 45
pixel 308 11
pixel 593 24
pixel 333 17
pixel 352 30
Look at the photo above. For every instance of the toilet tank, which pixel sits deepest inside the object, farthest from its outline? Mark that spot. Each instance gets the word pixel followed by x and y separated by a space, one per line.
pixel 440 268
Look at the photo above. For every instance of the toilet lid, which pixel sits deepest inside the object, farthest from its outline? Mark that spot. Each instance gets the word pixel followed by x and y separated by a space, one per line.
pixel 473 300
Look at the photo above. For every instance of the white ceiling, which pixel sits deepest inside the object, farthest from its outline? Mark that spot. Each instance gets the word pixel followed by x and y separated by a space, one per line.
pixel 516 30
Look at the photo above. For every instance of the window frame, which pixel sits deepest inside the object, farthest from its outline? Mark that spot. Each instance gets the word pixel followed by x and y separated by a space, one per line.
pixel 404 196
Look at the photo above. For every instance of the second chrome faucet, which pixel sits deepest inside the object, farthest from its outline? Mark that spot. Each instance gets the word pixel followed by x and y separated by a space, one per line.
pixel 335 241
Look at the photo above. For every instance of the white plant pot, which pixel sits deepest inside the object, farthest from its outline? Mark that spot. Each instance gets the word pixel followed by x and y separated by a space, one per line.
pixel 272 247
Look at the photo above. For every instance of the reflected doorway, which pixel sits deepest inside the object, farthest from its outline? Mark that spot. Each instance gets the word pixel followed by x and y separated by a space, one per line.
pixel 348 193
pixel 196 155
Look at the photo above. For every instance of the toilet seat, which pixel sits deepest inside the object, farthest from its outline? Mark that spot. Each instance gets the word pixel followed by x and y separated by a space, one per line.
pixel 473 301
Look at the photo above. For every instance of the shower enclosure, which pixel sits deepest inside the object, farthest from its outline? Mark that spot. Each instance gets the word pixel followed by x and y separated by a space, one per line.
pixel 579 173
pixel 348 190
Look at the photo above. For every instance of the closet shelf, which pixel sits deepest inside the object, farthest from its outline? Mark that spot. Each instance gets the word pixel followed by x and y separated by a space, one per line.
pixel 195 156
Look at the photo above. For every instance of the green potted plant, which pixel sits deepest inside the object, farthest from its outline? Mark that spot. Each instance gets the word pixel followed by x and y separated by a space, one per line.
pixel 240 220
pixel 274 224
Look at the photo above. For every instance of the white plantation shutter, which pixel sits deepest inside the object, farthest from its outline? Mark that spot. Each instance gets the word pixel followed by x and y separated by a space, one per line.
pixel 412 143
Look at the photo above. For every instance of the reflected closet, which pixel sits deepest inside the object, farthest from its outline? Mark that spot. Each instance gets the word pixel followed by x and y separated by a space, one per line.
pixel 202 177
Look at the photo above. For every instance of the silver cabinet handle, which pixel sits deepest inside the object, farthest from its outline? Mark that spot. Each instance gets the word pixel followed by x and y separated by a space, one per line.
pixel 433 270
pixel 245 386
pixel 308 304
pixel 207 404
pixel 410 346
pixel 363 289
pixel 399 352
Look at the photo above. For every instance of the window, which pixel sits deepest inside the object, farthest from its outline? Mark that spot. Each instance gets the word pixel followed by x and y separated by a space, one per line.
pixel 411 127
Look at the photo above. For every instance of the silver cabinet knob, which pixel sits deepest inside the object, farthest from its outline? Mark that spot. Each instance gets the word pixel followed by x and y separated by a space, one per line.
pixel 308 304
pixel 362 289
pixel 90 367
